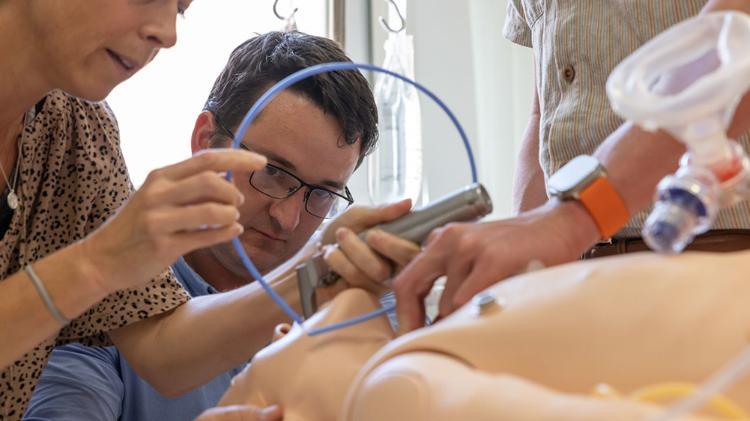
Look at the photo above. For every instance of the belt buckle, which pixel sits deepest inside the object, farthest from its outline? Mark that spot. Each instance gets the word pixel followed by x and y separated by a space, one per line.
pixel 592 252
pixel 608 242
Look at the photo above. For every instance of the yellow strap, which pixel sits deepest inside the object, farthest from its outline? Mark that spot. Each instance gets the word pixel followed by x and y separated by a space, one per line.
pixel 663 392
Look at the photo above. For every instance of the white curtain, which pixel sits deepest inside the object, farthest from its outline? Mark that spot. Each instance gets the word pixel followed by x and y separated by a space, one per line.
pixel 461 55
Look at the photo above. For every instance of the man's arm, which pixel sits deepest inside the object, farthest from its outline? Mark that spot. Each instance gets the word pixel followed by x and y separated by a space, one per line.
pixel 180 350
pixel 188 346
pixel 78 383
pixel 475 256
pixel 529 190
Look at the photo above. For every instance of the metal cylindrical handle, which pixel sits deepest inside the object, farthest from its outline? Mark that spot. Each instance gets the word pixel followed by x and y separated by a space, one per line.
pixel 468 204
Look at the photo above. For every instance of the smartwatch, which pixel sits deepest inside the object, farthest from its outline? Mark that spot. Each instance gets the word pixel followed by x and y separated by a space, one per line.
pixel 584 179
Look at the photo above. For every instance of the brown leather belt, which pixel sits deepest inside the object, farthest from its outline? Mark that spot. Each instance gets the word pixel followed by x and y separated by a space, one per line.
pixel 721 241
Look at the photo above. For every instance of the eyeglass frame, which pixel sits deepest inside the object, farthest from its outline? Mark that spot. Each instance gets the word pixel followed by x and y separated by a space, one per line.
pixel 302 184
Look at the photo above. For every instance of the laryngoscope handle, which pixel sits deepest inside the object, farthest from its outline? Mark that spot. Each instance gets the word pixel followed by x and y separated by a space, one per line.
pixel 468 204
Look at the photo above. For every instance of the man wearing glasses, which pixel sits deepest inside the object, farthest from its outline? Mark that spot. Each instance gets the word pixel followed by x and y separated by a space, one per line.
pixel 314 135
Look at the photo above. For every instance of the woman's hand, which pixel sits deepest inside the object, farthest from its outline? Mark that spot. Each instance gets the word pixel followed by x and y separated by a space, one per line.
pixel 241 413
pixel 180 208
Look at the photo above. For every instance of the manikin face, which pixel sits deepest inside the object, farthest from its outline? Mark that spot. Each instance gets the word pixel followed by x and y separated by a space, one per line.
pixel 297 136
pixel 87 47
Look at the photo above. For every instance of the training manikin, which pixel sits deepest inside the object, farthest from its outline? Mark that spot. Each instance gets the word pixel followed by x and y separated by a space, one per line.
pixel 536 353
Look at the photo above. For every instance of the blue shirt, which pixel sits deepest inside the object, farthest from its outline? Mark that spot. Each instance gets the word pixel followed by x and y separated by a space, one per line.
pixel 87 383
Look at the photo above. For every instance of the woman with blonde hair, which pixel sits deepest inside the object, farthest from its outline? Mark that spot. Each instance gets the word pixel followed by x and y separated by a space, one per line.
pixel 80 259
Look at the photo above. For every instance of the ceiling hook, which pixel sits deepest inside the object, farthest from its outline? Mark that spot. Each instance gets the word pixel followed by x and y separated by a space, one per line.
pixel 276 12
pixel 384 23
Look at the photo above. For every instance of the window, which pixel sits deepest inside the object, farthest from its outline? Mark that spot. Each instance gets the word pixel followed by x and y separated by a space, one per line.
pixel 487 82
pixel 157 107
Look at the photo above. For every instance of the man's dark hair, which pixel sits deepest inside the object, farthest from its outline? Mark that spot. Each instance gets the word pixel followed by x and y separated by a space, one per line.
pixel 261 61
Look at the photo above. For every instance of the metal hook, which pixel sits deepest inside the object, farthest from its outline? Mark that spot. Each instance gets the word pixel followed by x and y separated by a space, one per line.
pixel 276 12
pixel 387 27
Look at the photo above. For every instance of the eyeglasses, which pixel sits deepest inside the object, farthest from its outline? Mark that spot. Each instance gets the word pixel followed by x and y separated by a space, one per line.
pixel 278 183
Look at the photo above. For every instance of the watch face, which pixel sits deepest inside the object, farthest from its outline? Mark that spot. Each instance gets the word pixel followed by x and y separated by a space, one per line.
pixel 574 176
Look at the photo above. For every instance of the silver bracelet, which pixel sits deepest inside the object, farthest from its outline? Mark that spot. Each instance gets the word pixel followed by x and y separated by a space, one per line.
pixel 45 296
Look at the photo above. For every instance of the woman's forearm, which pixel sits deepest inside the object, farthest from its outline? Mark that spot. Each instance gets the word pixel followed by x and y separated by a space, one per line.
pixel 25 320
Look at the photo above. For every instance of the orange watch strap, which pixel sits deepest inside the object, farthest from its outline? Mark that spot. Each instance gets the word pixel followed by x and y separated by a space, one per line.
pixel 605 205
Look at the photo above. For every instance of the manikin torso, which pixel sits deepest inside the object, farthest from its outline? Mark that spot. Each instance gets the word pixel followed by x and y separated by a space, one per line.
pixel 554 335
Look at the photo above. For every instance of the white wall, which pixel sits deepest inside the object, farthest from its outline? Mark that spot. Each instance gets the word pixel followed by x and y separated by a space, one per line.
pixel 461 55
pixel 504 87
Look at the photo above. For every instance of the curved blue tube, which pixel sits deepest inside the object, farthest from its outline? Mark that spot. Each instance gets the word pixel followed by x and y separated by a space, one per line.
pixel 261 103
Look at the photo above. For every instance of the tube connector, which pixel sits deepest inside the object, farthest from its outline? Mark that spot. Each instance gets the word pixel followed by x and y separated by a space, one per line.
pixel 686 205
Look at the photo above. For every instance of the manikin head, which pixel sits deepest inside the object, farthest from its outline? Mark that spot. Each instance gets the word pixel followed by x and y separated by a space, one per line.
pixel 309 375
pixel 314 134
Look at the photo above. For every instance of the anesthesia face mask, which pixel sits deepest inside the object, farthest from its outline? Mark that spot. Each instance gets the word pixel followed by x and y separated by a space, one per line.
pixel 688 82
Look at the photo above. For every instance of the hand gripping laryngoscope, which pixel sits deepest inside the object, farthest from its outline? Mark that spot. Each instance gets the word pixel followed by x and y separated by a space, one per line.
pixel 468 204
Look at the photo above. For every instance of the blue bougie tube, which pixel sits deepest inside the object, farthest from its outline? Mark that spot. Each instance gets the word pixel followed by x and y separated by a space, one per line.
pixel 261 103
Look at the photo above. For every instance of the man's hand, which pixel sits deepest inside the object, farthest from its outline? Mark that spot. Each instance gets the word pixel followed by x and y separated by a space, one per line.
pixel 360 218
pixel 241 413
pixel 474 256
pixel 367 264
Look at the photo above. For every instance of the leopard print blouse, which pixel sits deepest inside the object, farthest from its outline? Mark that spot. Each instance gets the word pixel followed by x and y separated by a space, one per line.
pixel 72 177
